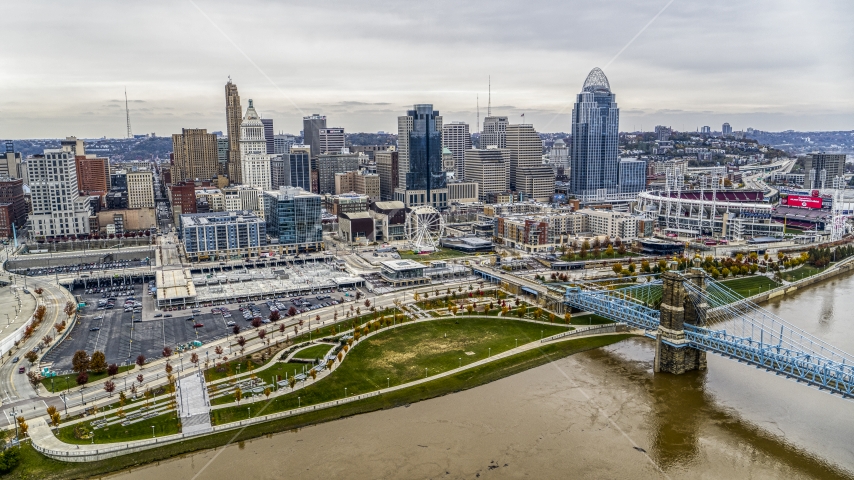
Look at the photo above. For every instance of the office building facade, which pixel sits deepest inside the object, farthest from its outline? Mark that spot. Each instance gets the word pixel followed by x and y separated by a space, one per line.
pixel 823 170
pixel 528 175
pixel 494 132
pixel 632 176
pixel 12 193
pixel 140 189
pixel 595 140
pixel 329 140
pixel 420 175
pixel 389 173
pixel 57 209
pixel 310 132
pixel 222 234
pixel 328 164
pixel 300 170
pixel 487 168
pixel 282 143
pixel 195 155
pixel 457 138
pixel 293 217
pixel 268 135
pixel 10 161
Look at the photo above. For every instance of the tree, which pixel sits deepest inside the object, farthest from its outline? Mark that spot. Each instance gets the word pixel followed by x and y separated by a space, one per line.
pixel 292 311
pixel 218 350
pixel 267 392
pixel 262 333
pixel 82 378
pixel 70 308
pixel 274 316
pixel 367 303
pixel 112 370
pixel 238 395
pixel 80 361
pixel 59 327
pixel 609 251
pixel 22 426
pixel 194 358
pixel 282 326
pixel 140 378
pixel 241 341
pixel 47 339
pixel 122 398
pixel 256 322
pixel 34 378
pixel 39 290
pixel 567 317
pixel 109 387
pixel 313 374
pixel 31 356
pixel 416 296
pixel 98 363
pixel 167 352
pixel 358 295
pixel 292 381
pixel 168 368
pixel 140 360
pixel 617 268
pixel 236 329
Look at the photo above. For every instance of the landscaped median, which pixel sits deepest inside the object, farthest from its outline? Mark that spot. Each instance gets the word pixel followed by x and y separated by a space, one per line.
pixel 36 465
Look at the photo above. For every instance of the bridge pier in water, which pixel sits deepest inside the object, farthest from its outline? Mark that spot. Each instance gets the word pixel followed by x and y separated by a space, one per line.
pixel 673 354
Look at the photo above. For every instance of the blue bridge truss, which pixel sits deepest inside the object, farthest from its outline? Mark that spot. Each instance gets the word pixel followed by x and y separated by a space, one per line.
pixel 735 328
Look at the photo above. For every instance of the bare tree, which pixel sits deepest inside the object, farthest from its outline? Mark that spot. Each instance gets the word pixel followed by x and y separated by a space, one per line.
pixel 109 387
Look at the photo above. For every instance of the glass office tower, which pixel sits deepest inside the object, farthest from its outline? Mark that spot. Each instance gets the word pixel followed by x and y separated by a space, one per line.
pixel 594 172
pixel 425 151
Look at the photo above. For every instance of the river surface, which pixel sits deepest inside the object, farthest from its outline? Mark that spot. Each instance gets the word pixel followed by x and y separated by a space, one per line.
pixel 599 414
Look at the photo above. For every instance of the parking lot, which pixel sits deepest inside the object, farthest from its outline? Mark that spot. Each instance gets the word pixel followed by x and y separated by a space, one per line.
pixel 81 267
pixel 123 336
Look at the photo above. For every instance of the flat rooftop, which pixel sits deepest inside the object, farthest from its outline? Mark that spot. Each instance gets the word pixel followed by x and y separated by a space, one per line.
pixel 401 265
pixel 174 284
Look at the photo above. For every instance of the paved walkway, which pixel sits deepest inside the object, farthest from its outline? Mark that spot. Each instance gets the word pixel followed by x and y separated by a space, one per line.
pixel 193 404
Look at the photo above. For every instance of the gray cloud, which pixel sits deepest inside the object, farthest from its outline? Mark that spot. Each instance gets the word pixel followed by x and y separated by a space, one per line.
pixel 766 64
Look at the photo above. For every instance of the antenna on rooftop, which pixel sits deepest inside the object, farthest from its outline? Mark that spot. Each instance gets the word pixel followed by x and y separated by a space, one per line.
pixel 489 105
pixel 127 114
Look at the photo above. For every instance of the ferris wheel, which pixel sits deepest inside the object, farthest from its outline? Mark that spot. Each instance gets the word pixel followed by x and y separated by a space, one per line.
pixel 424 227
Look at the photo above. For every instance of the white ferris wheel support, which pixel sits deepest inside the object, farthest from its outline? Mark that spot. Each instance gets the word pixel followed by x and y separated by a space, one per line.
pixel 424 228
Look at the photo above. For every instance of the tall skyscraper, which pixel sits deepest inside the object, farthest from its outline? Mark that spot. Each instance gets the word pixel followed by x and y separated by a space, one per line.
pixel 494 132
pixel 595 140
pixel 457 138
pixel 233 118
pixel 528 175
pixel 421 178
pixel 328 164
pixel 255 162
pixel 222 154
pixel 268 135
pixel 726 129
pixel 195 155
pixel 329 140
pixel 310 126
pixel 632 175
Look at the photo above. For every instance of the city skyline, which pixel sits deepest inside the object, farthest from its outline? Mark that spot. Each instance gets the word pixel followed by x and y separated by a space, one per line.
pixel 731 64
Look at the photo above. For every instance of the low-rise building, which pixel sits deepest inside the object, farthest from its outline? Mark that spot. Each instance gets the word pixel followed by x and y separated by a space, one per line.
pixel 403 273
pixel 389 221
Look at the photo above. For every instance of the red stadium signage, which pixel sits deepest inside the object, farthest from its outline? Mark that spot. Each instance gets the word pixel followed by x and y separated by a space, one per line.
pixel 804 202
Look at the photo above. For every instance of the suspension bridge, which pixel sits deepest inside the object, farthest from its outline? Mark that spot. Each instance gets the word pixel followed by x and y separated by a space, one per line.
pixel 690 314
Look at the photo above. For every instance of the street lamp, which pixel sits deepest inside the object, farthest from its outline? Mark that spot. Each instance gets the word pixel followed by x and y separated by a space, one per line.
pixel 153 435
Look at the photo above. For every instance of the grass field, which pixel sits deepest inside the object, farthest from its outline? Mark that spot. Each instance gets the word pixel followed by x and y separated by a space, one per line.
pixel 407 353
pixel 439 254
pixel 748 286
pixel 803 271
pixel 315 351
pixel 166 424
pixel 35 465
pixel 588 319
pixel 61 382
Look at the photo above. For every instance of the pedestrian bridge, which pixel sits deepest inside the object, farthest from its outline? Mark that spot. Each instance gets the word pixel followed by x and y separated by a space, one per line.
pixel 690 314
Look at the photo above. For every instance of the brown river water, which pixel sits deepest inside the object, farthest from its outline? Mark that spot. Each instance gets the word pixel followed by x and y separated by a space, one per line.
pixel 599 414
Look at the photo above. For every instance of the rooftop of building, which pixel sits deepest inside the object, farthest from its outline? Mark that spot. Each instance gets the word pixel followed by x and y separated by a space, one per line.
pixel 401 265
pixel 198 219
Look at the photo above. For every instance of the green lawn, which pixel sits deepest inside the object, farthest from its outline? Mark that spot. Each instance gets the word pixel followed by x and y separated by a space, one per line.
pixel 316 351
pixel 803 271
pixel 165 424
pixel 439 254
pixel 749 286
pixel 60 384
pixel 401 355
pixel 589 319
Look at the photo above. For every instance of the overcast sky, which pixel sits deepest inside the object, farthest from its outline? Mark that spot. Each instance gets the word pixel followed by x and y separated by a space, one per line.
pixel 772 65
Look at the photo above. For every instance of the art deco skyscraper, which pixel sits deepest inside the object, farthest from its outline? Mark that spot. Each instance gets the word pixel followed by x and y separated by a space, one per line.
pixel 233 118
pixel 594 172
pixel 255 162
pixel 195 155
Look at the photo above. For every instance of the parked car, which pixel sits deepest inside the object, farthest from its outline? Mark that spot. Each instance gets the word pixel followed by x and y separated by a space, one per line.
pixel 15 360
pixel 158 315
pixel 199 325
pixel 21 370
pixel 167 315
pixel 94 329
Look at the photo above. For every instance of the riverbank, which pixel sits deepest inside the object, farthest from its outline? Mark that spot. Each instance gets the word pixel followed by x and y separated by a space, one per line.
pixel 35 465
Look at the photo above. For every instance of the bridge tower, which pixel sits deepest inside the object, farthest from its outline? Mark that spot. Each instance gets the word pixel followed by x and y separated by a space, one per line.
pixel 672 353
